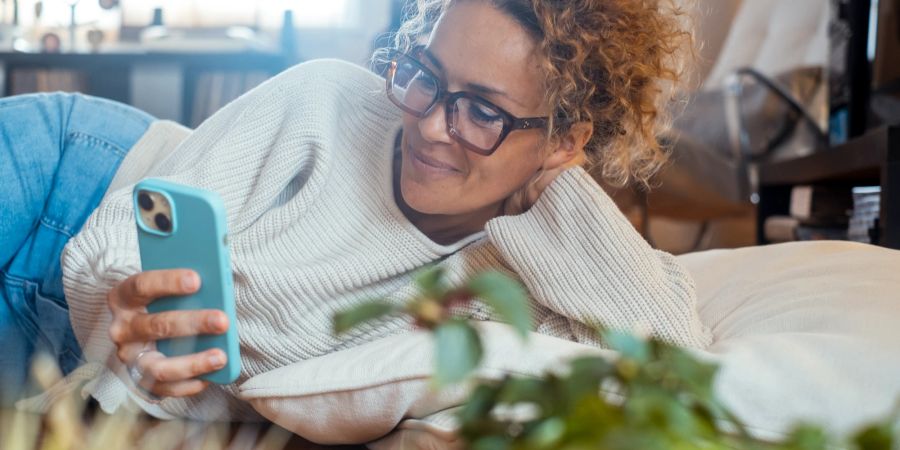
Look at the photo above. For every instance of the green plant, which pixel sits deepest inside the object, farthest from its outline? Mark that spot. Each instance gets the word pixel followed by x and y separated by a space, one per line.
pixel 459 348
pixel 653 396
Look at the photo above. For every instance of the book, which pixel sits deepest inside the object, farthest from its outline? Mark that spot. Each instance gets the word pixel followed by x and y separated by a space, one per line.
pixel 821 205
pixel 866 210
pixel 788 229
pixel 781 228
pixel 821 233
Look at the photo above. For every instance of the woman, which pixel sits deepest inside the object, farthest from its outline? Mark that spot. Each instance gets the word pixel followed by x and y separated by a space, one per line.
pixel 337 193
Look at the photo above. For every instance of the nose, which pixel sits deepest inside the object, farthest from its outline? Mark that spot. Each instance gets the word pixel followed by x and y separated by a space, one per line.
pixel 433 127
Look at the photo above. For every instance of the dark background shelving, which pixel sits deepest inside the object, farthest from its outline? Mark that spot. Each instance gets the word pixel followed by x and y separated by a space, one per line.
pixel 870 159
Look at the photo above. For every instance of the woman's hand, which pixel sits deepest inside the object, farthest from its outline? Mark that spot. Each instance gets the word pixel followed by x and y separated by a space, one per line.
pixel 133 331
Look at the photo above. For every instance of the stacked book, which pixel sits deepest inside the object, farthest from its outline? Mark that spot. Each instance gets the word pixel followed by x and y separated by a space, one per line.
pixel 816 213
pixel 864 218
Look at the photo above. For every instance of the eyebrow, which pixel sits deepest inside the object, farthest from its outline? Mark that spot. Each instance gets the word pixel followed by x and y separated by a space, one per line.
pixel 478 88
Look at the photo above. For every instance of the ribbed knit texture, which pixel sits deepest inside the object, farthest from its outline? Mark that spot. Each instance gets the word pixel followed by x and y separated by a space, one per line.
pixel 304 166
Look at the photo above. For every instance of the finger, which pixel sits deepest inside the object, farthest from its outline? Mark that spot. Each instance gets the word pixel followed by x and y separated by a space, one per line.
pixel 119 328
pixel 128 352
pixel 179 388
pixel 158 369
pixel 170 324
pixel 145 287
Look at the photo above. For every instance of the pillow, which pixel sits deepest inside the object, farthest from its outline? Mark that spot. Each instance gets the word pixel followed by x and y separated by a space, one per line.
pixel 803 331
pixel 435 431
pixel 360 394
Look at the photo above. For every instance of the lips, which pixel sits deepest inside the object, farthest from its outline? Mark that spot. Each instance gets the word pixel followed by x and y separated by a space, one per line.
pixel 432 162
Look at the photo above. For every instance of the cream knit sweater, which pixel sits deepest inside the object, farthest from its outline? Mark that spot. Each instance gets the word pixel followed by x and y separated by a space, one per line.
pixel 304 166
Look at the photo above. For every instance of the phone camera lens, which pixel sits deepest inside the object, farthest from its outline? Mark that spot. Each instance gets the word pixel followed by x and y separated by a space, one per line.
pixel 145 202
pixel 163 222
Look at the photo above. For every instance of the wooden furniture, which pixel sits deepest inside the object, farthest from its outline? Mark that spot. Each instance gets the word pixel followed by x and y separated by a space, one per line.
pixel 870 159
pixel 110 75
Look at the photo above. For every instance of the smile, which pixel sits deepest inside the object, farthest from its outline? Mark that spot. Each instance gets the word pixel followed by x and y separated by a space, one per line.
pixel 430 165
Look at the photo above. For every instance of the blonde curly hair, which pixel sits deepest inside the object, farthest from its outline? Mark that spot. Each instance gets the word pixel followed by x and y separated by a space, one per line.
pixel 615 63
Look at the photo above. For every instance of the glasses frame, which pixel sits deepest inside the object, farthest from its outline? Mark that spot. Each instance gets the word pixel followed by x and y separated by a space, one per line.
pixel 443 95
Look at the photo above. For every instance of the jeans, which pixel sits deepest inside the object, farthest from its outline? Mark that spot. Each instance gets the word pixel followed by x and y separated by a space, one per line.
pixel 58 154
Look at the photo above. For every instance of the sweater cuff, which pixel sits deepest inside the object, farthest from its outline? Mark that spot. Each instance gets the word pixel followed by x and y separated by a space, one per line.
pixel 580 256
pixel 573 199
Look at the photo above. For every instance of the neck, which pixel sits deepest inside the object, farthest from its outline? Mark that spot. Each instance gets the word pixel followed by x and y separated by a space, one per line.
pixel 443 229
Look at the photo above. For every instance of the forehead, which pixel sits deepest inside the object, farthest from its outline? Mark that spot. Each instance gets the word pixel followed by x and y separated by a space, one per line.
pixel 479 44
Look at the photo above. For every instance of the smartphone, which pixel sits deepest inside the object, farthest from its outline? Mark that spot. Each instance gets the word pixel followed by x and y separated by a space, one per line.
pixel 182 227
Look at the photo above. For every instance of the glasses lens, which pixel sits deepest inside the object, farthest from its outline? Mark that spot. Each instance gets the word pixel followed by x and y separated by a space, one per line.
pixel 479 124
pixel 413 87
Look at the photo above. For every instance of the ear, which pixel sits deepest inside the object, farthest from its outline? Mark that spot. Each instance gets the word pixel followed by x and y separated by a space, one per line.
pixel 568 149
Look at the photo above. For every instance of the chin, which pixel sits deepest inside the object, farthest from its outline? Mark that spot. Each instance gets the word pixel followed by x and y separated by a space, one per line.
pixel 421 198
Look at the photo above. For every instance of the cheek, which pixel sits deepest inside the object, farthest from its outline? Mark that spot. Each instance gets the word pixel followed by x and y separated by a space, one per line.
pixel 490 180
pixel 497 177
pixel 508 170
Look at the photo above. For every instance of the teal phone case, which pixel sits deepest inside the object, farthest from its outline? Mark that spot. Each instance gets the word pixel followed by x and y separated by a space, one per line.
pixel 197 241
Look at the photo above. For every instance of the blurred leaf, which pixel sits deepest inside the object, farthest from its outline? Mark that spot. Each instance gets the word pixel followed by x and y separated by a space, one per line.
pixel 20 430
pixel 491 443
pixel 591 366
pixel 506 297
pixel 875 437
pixel 345 320
pixel 480 403
pixel 807 437
pixel 698 376
pixel 585 376
pixel 516 390
pixel 547 434
pixel 166 435
pixel 654 395
pixel 590 419
pixel 628 345
pixel 458 351
pixel 430 282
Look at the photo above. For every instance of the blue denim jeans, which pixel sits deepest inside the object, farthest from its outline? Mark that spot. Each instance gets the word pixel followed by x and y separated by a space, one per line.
pixel 58 154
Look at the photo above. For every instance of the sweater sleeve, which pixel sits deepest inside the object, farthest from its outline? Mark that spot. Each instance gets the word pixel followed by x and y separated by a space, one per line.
pixel 578 256
pixel 264 149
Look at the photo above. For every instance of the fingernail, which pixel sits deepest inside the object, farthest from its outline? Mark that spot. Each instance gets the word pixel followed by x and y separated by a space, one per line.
pixel 216 360
pixel 188 282
pixel 214 322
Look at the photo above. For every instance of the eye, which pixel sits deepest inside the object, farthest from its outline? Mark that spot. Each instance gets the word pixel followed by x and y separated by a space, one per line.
pixel 484 116
pixel 423 83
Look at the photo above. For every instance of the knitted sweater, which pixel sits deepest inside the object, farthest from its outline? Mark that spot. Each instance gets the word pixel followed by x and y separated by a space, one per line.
pixel 304 166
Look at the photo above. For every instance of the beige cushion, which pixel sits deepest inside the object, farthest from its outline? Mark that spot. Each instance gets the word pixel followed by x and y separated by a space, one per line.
pixel 436 431
pixel 803 331
pixel 361 394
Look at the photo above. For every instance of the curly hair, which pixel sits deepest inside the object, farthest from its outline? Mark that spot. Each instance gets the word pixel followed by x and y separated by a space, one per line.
pixel 615 63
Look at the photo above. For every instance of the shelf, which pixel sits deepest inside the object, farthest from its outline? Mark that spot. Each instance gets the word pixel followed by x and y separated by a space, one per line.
pixel 873 158
pixel 170 79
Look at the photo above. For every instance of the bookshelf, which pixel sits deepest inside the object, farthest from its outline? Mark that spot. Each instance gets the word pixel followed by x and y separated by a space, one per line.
pixel 870 159
pixel 187 75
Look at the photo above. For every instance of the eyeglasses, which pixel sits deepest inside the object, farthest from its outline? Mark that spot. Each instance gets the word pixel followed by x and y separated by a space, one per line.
pixel 474 122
